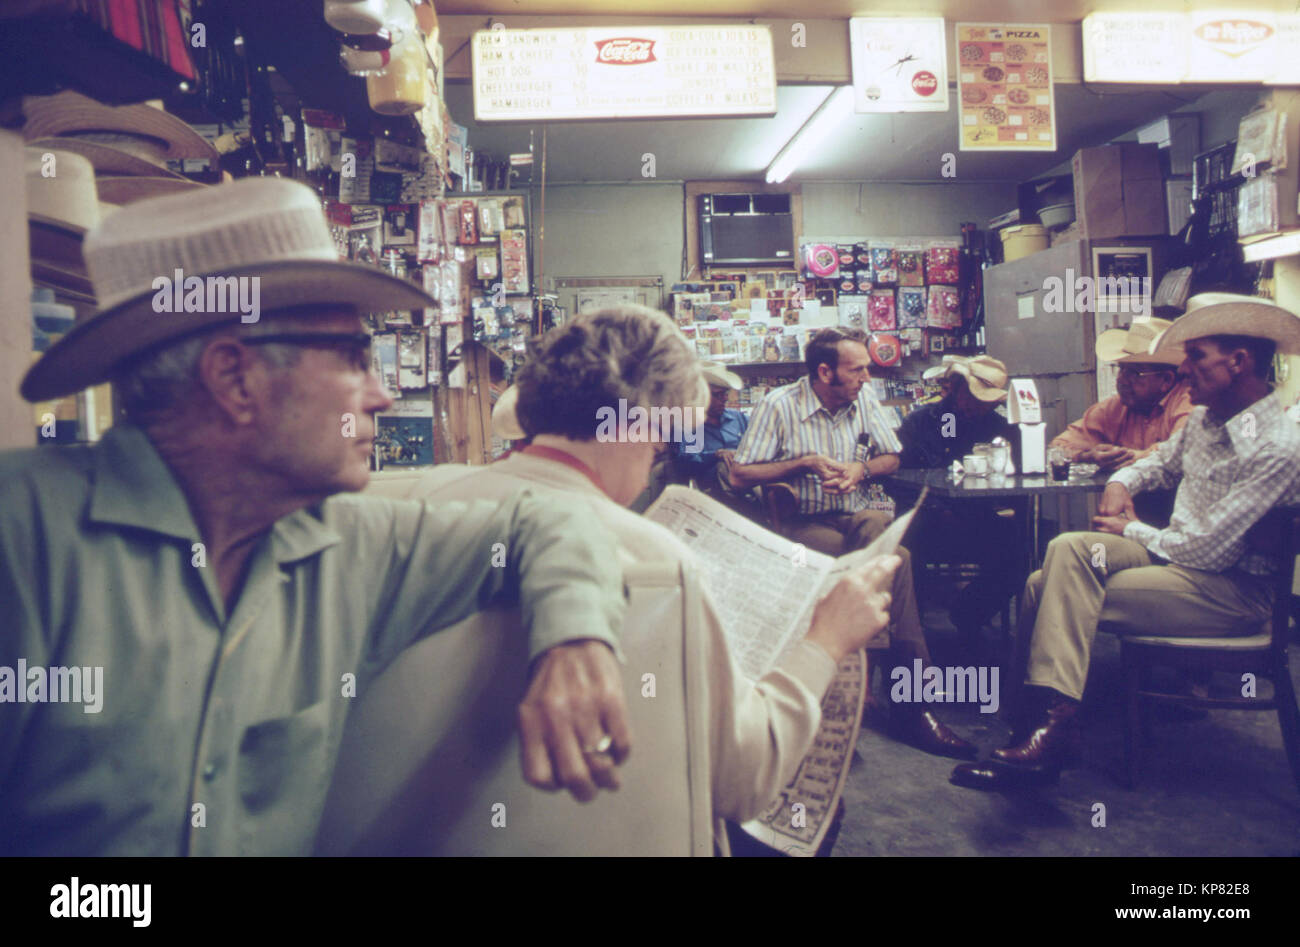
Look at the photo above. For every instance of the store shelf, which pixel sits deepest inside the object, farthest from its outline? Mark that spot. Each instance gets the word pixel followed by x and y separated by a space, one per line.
pixel 1272 247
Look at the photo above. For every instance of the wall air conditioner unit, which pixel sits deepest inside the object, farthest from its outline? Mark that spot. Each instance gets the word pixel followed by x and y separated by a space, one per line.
pixel 746 228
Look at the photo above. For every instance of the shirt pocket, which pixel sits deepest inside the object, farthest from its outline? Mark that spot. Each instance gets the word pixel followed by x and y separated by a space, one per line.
pixel 285 758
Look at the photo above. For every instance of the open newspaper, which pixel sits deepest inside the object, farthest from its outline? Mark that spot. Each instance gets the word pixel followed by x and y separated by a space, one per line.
pixel 765 589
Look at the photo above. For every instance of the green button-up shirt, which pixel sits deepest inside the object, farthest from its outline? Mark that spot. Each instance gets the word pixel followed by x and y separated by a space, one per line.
pixel 218 733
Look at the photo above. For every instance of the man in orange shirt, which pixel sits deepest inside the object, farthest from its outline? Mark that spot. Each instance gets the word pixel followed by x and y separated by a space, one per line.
pixel 1153 402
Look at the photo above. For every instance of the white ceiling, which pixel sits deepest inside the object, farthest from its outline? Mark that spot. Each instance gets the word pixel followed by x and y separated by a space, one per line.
pixel 901 147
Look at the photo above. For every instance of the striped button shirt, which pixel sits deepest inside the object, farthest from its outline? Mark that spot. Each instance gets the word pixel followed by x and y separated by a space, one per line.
pixel 792 422
pixel 1228 474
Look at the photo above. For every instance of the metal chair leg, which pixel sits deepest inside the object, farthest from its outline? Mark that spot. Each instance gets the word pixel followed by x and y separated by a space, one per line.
pixel 1133 718
pixel 1288 716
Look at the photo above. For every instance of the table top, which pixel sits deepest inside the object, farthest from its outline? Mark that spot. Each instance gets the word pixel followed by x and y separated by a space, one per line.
pixel 1018 485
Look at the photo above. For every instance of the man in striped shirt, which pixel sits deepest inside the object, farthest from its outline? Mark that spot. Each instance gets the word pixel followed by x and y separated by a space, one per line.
pixel 1236 458
pixel 826 435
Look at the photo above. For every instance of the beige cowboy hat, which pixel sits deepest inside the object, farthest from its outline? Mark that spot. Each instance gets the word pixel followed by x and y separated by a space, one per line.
pixel 986 377
pixel 145 131
pixel 1134 344
pixel 715 373
pixel 1231 314
pixel 130 143
pixel 505 424
pixel 129 188
pixel 268 229
pixel 61 190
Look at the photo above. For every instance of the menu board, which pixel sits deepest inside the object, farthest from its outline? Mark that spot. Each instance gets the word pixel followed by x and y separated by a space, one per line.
pixel 1004 83
pixel 1134 47
pixel 899 64
pixel 1202 46
pixel 623 72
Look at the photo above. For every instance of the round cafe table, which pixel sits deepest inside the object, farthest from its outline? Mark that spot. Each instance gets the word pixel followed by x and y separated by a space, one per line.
pixel 1031 488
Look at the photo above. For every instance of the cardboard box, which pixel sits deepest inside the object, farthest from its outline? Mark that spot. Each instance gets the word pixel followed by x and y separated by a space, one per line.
pixel 1119 191
pixel 1178 198
pixel 1180 133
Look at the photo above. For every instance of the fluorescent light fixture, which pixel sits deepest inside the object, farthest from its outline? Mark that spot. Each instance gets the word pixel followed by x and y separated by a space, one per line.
pixel 835 108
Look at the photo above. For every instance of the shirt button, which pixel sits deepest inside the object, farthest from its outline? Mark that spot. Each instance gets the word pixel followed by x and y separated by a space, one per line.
pixel 210 772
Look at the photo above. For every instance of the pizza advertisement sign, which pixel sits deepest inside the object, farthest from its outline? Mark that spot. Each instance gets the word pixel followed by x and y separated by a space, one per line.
pixel 899 64
pixel 1004 85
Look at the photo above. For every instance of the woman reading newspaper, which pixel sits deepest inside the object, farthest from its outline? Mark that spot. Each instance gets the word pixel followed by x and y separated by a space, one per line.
pixel 585 399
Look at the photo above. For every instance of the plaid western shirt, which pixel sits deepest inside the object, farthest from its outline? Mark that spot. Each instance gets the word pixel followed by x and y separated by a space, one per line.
pixel 792 422
pixel 1228 474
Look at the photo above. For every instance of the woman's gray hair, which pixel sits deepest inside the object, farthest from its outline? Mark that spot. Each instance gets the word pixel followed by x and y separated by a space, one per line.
pixel 628 353
pixel 158 381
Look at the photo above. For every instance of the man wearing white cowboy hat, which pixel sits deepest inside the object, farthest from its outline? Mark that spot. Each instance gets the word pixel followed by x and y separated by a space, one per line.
pixel 722 430
pixel 1236 458
pixel 195 560
pixel 1151 404
pixel 935 435
pixel 972 390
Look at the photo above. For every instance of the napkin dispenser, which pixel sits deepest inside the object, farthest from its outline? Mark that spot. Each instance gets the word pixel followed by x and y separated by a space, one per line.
pixel 1026 410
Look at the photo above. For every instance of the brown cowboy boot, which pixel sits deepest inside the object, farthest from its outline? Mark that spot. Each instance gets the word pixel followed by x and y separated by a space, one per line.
pixel 1052 744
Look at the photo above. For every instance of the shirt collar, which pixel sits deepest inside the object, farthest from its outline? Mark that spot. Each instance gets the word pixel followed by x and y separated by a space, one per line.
pixel 1245 427
pixel 1179 387
pixel 135 487
pixel 564 457
pixel 810 404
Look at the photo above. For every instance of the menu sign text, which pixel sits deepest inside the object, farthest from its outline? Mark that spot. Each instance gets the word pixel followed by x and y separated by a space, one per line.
pixel 623 72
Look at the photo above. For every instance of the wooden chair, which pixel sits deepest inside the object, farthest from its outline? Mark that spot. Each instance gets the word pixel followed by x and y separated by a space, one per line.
pixel 780 505
pixel 430 765
pixel 1263 654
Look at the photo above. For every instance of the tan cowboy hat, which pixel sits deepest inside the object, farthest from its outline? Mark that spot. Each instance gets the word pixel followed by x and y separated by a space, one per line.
pixel 268 229
pixel 60 189
pixel 127 189
pixel 1134 344
pixel 505 424
pixel 1231 314
pixel 715 373
pixel 986 377
pixel 71 114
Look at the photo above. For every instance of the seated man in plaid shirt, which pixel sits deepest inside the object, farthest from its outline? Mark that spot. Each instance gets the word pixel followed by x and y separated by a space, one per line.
pixel 826 436
pixel 1236 458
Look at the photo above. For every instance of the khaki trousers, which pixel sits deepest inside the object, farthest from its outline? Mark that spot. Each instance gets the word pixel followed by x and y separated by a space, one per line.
pixel 1089 578
pixel 837 533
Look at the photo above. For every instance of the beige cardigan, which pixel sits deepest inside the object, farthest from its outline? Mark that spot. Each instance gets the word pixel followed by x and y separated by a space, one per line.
pixel 758 733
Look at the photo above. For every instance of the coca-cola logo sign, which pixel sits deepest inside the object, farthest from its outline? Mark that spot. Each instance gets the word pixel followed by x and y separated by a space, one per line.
pixel 625 51
pixel 1230 33
pixel 924 83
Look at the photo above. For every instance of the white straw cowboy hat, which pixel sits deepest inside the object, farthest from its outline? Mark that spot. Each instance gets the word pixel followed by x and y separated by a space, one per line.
pixel 61 206
pixel 505 424
pixel 715 373
pixel 1134 344
pixel 267 228
pixel 125 139
pixel 1231 314
pixel 61 190
pixel 986 377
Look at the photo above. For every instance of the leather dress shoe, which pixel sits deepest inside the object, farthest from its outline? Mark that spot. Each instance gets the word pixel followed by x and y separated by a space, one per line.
pixel 991 777
pixel 1051 745
pixel 927 732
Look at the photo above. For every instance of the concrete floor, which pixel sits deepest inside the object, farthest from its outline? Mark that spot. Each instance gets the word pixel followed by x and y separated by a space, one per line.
pixel 1215 786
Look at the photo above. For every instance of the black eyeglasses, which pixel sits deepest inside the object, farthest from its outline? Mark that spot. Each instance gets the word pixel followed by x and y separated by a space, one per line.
pixel 354 345
pixel 1143 373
